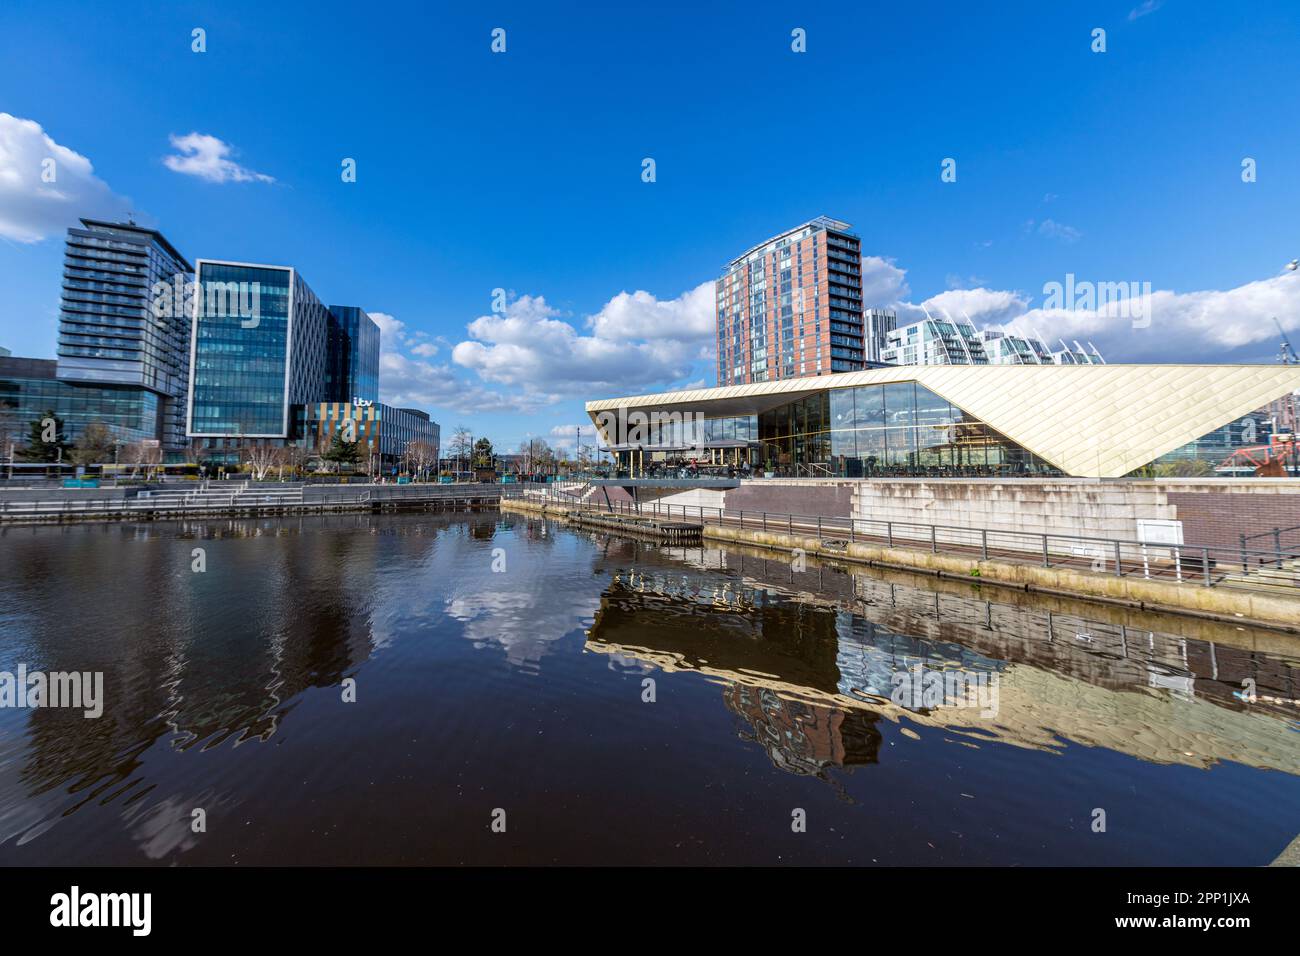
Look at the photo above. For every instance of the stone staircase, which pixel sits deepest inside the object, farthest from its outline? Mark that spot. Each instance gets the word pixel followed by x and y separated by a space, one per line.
pixel 217 496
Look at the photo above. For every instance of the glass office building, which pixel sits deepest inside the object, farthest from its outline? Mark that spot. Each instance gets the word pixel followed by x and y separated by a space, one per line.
pixel 899 429
pixel 353 367
pixel 29 388
pixel 111 330
pixel 260 350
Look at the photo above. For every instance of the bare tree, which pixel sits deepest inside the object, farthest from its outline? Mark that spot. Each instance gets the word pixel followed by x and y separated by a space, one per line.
pixel 421 455
pixel 292 457
pixel 11 428
pixel 11 433
pixel 95 446
pixel 261 458
pixel 538 455
pixel 462 444
pixel 144 454
pixel 193 451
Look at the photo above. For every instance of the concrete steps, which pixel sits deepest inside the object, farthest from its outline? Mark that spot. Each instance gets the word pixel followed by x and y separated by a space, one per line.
pixel 241 496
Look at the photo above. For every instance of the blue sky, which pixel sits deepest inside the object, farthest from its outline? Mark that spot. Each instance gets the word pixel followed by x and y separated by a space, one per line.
pixel 522 170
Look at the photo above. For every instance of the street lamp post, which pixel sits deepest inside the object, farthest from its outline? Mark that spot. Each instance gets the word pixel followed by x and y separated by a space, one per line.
pixel 1292 266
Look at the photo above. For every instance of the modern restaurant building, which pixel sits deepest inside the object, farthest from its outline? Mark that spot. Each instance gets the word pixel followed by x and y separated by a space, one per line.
pixel 969 421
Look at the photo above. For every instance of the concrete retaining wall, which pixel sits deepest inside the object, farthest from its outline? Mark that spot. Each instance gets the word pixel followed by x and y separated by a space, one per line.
pixel 66 494
pixel 1214 512
pixel 1219 603
pixel 1226 604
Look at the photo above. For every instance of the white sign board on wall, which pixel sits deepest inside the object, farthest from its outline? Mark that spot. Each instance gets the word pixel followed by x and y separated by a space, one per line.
pixel 1160 531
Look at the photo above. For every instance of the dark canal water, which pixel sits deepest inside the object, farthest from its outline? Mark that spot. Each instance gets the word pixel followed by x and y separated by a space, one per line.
pixel 779 694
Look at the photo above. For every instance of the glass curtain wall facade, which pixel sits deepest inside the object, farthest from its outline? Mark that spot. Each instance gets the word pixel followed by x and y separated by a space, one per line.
pixel 111 331
pixel 260 351
pixel 29 389
pixel 353 368
pixel 900 429
pixel 1258 444
pixel 685 432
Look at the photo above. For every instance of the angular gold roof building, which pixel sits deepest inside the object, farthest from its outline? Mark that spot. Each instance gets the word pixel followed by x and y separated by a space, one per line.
pixel 1088 421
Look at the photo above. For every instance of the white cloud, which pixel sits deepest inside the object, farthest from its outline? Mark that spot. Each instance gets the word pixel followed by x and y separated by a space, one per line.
pixel 1199 326
pixel 982 306
pixel 639 315
pixel 391 330
pixel 1055 230
pixel 637 341
pixel 883 283
pixel 1142 9
pixel 408 382
pixel 208 158
pixel 32 209
pixel 1205 326
pixel 565 437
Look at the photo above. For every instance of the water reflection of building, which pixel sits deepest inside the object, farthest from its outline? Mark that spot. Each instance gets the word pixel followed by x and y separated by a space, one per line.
pixel 674 623
pixel 831 640
pixel 803 738
pixel 184 660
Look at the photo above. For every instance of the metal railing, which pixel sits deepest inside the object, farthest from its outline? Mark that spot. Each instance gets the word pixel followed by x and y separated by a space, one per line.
pixel 1200 565
pixel 219 499
pixel 1279 555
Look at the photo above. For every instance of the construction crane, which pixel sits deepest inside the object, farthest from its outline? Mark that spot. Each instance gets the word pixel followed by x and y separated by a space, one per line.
pixel 1278 457
pixel 1287 355
pixel 1281 449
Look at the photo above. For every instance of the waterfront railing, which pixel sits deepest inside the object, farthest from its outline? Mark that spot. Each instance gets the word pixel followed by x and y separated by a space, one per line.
pixel 1275 569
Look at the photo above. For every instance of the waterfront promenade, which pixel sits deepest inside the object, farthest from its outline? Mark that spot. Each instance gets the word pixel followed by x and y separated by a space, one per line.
pixel 1258 584
pixel 214 498
pixel 1214 582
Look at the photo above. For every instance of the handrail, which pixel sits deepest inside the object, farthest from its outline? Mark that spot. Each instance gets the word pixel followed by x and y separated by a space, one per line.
pixel 219 499
pixel 1277 556
pixel 1269 534
pixel 1199 564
